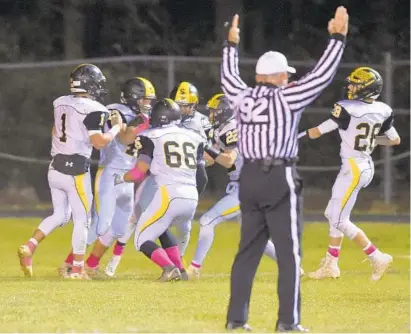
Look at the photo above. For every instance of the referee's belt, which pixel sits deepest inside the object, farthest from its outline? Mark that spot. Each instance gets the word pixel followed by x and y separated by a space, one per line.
pixel 271 161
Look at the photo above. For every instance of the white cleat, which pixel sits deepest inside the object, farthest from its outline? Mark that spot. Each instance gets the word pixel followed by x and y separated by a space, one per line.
pixel 302 272
pixel 328 269
pixel 112 265
pixel 193 272
pixel 379 265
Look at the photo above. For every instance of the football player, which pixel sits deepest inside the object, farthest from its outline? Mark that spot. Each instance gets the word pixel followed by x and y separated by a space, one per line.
pixel 185 95
pixel 224 135
pixel 170 153
pixel 362 123
pixel 109 220
pixel 78 127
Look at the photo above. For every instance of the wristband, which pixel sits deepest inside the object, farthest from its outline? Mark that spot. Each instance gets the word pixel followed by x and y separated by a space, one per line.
pixel 114 130
pixel 136 174
pixel 302 134
pixel 212 152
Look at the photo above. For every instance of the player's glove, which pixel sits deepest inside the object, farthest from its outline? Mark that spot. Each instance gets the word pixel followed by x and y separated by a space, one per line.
pixel 118 179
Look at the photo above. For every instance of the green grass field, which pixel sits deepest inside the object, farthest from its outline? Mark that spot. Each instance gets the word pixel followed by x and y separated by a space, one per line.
pixel 133 302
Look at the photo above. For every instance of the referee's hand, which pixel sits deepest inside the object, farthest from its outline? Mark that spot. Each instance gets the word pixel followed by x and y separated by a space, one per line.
pixel 339 24
pixel 234 32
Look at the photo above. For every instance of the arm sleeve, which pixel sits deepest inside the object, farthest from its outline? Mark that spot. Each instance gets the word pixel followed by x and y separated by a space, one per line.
pixel 146 146
pixel 95 120
pixel 231 82
pixel 230 138
pixel 304 91
pixel 388 123
pixel 341 116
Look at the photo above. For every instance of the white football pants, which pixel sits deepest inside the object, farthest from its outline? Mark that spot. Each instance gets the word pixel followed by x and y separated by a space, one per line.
pixel 70 194
pixel 354 175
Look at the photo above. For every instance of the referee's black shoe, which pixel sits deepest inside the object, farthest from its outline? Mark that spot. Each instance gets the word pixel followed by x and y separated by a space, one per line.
pixel 238 325
pixel 289 328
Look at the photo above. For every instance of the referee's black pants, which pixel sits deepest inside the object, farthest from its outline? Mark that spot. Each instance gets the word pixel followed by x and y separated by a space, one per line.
pixel 271 206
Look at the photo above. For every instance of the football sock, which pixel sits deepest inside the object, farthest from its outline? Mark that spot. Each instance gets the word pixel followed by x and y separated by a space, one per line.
pixel 156 254
pixel 32 244
pixel 173 254
pixel 371 250
pixel 93 261
pixel 69 259
pixel 334 251
pixel 119 248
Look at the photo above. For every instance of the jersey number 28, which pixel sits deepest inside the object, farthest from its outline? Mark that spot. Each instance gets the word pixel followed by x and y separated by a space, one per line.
pixel 368 133
pixel 175 154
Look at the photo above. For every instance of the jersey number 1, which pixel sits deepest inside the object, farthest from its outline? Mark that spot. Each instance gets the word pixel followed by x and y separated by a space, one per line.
pixel 63 137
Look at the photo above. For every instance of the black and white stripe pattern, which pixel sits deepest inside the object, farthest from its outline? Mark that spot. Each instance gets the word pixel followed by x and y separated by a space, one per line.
pixel 268 116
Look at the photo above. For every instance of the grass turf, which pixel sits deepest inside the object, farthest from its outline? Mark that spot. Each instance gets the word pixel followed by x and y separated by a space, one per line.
pixel 133 302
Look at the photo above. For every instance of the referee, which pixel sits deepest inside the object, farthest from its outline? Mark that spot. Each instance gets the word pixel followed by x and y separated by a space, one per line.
pixel 270 189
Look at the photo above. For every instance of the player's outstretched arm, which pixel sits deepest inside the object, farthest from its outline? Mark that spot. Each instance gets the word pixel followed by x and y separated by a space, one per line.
pixel 138 173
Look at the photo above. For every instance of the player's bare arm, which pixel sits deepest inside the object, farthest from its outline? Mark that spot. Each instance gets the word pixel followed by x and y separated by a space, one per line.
pixel 385 141
pixel 225 159
pixel 100 140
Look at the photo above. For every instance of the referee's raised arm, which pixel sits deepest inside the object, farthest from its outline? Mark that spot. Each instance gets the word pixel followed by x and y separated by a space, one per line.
pixel 231 81
pixel 303 92
pixel 270 189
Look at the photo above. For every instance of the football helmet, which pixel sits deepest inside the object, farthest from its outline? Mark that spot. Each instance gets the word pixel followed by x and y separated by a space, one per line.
pixel 220 111
pixel 134 91
pixel 364 83
pixel 164 112
pixel 185 95
pixel 88 78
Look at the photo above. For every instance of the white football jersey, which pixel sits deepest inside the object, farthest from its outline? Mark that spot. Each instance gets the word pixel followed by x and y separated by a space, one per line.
pixel 226 136
pixel 174 152
pixel 74 117
pixel 116 155
pixel 359 124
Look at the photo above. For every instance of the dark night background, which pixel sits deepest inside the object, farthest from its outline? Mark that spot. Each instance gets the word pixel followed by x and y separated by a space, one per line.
pixel 44 30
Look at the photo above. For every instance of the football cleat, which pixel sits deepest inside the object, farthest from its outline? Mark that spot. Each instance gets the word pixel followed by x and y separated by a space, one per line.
pixel 64 270
pixel 193 272
pixel 170 274
pixel 112 265
pixel 379 265
pixel 328 269
pixel 82 276
pixel 25 256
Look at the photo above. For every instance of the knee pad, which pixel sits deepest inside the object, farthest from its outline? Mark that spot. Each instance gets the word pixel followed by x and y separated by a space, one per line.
pixel 206 220
pixel 348 228
pixel 334 232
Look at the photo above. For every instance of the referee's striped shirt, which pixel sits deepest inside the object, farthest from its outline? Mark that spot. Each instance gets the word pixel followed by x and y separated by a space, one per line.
pixel 267 115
